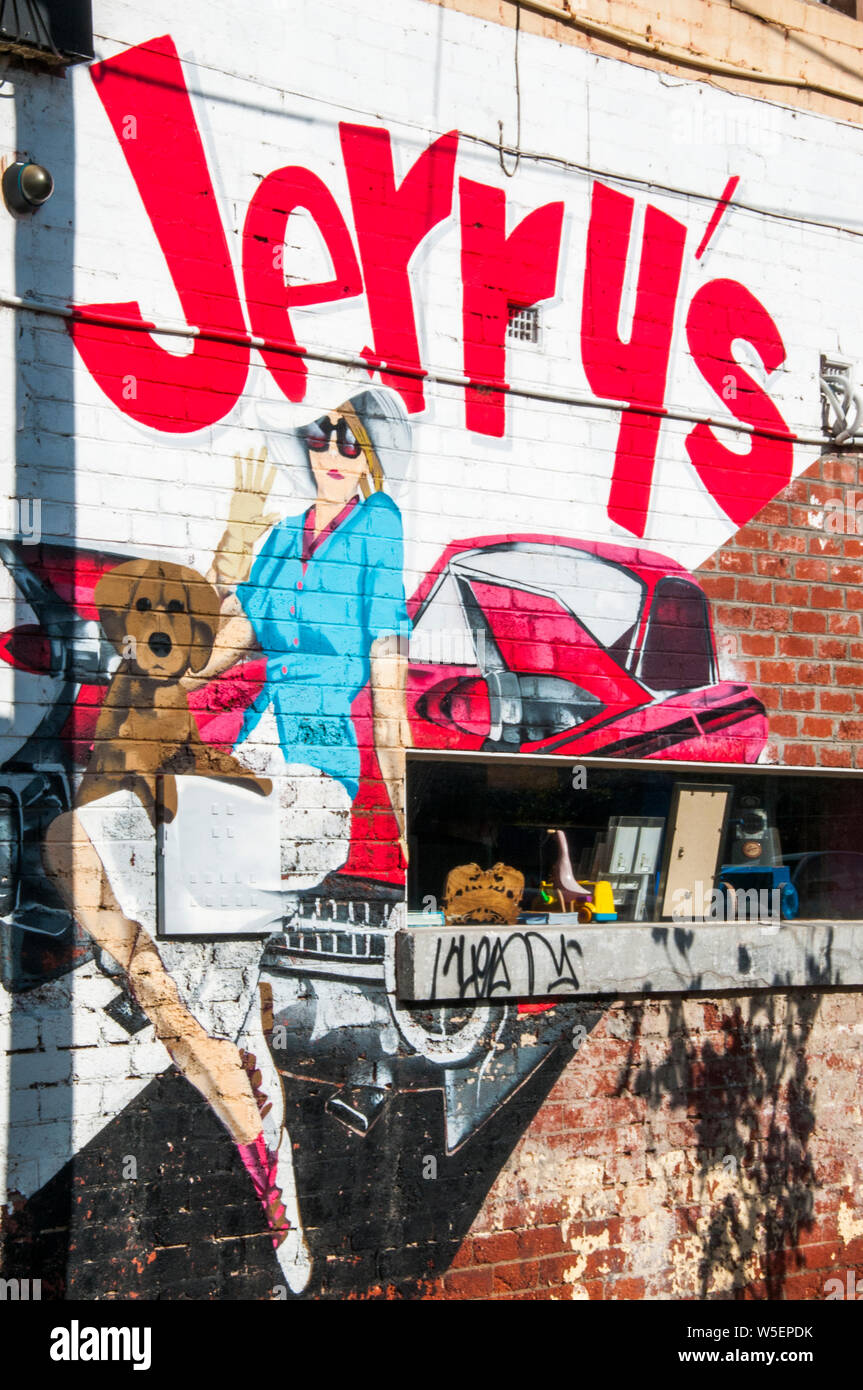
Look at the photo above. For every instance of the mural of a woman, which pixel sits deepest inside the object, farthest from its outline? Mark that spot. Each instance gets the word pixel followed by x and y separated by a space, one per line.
pixel 323 599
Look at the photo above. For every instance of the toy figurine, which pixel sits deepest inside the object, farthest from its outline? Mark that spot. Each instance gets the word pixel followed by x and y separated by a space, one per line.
pixel 570 893
pixel 594 902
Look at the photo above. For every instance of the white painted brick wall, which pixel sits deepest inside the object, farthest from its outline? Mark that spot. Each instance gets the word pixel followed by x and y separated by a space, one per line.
pixel 270 93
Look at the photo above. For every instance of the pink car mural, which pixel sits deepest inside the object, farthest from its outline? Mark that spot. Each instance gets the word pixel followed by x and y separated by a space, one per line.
pixel 519 643
pixel 539 644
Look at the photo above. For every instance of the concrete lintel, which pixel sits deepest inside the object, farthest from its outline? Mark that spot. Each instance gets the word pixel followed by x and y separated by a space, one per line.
pixel 438 963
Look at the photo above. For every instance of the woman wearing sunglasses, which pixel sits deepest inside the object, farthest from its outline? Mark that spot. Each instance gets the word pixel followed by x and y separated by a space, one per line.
pixel 324 598
pixel 324 601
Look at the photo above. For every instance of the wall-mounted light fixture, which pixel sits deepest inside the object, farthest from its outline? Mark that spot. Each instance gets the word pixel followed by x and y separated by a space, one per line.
pixel 26 187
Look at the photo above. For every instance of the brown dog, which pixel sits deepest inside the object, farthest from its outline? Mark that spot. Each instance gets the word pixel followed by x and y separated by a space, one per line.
pixel 162 618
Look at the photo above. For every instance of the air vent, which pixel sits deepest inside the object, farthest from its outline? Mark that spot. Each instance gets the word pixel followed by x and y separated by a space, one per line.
pixel 49 31
pixel 523 325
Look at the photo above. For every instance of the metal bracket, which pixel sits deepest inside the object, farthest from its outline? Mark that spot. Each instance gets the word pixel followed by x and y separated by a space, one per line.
pixel 842 405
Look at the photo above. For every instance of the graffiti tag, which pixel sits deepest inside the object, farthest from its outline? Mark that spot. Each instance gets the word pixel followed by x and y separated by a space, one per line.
pixel 468 966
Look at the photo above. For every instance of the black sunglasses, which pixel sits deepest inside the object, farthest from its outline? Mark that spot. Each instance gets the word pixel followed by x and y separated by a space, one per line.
pixel 317 437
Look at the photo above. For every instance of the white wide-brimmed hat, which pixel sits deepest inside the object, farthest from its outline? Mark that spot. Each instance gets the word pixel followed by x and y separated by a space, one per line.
pixel 380 410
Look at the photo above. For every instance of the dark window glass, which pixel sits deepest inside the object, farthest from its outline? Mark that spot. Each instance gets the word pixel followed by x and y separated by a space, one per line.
pixel 677 651
pixel 793 834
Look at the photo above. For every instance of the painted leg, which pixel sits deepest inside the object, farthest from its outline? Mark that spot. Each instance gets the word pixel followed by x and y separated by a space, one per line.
pixel 292 1251
pixel 212 1065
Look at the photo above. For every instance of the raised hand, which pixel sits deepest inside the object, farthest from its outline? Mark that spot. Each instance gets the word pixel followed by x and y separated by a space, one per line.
pixel 247 520
pixel 253 481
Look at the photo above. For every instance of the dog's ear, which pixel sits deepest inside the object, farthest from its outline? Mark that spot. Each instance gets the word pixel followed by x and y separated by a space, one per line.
pixel 204 608
pixel 113 597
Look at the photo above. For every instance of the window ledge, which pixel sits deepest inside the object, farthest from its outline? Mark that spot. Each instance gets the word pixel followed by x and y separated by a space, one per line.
pixel 437 964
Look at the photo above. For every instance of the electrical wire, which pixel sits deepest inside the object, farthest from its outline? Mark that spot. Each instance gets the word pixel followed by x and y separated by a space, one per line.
pixel 682 57
pixel 435 375
pixel 514 170
pixel 796 35
pixel 853 227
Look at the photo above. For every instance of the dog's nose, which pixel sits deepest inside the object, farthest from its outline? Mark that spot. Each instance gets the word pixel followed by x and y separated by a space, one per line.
pixel 160 644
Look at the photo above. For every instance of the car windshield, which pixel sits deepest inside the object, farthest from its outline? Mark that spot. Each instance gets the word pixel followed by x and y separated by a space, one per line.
pixel 441 635
pixel 603 597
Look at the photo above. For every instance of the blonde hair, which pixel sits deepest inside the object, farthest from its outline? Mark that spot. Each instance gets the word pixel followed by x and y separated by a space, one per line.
pixel 376 472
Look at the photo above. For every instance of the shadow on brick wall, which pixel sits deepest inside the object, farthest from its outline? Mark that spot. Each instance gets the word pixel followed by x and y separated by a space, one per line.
pixel 751 1108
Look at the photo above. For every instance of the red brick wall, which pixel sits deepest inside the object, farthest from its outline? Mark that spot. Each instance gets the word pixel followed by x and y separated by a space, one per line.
pixel 787 597
pixel 691 1149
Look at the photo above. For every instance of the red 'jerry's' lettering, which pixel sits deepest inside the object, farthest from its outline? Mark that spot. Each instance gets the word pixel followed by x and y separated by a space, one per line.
pixel 144 94
pixel 390 223
pixel 499 273
pixel 268 298
pixel 145 97
pixel 635 371
pixel 742 484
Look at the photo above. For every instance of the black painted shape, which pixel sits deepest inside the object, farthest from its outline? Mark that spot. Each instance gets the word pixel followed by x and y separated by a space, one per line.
pixel 190 1226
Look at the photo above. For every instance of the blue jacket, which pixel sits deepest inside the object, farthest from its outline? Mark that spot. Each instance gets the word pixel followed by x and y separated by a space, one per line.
pixel 316 624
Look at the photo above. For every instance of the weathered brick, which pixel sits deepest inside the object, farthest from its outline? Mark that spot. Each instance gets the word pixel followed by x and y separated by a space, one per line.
pixel 799 755
pixel 834 757
pixel 817 571
pixel 469 1283
pixel 799 698
pixel 753 537
pixel 809 622
pixel 838 470
pixel 816 728
pixel 785 543
pixel 734 617
pixel 754 591
pixel 735 562
pixel 775 566
pixel 790 595
pixel 822 597
pixel 796 646
pixel 836 701
pixel 770 619
pixel 719 586
pixel 832 649
pixel 777 672
pixel 512 1278
pixel 495 1248
pixel 757 644
pixel 813 673
pixel 848 675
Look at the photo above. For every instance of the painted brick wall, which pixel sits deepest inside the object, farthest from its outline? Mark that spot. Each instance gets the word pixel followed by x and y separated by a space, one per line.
pixel 704 1148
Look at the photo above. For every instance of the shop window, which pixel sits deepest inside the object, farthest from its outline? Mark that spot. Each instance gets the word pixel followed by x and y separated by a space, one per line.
pixel 672 840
